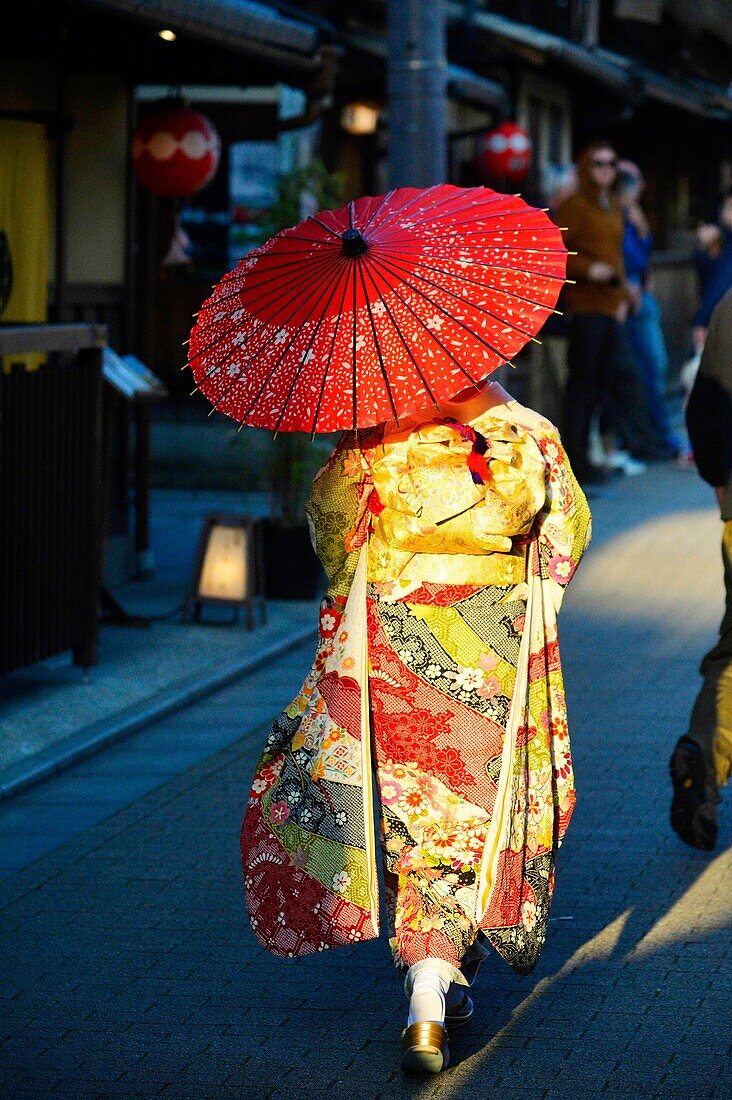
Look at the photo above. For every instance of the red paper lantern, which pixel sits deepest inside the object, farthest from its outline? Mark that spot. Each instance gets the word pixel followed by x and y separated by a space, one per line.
pixel 504 154
pixel 176 152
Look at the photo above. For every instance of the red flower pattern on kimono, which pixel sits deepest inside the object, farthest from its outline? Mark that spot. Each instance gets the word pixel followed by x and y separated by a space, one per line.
pixel 466 703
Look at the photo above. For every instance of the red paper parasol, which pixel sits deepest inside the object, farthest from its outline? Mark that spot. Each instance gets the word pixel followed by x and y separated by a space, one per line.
pixel 371 312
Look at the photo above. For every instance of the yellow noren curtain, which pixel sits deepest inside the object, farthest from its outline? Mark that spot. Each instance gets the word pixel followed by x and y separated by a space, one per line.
pixel 25 218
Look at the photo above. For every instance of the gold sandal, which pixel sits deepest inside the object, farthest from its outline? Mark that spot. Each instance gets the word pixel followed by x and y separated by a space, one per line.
pixel 424 1048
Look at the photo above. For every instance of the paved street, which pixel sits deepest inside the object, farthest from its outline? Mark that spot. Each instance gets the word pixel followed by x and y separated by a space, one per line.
pixel 53 708
pixel 130 970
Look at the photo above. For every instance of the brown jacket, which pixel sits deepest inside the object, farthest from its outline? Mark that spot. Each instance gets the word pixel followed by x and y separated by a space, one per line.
pixel 594 233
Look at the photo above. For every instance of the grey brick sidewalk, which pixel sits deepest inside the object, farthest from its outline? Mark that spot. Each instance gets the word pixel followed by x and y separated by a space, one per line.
pixel 129 968
pixel 51 711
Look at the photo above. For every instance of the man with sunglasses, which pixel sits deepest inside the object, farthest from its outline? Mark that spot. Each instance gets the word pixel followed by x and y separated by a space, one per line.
pixel 597 301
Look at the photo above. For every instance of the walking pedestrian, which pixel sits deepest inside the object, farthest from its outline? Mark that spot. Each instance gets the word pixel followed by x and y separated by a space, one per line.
pixel 474 525
pixel 701 762
pixel 448 527
pixel 714 267
pixel 597 303
pixel 643 325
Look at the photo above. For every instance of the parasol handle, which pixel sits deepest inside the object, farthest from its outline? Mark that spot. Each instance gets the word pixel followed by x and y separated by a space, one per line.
pixel 353 243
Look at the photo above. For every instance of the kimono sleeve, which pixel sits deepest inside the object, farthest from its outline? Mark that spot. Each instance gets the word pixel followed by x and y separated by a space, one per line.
pixel 564 525
pixel 336 510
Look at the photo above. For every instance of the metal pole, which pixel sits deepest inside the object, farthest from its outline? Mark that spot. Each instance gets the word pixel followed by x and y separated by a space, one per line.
pixel 145 559
pixel 417 75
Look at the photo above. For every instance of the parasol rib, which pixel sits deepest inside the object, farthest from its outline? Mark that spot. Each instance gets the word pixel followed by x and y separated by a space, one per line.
pixel 453 318
pixel 299 370
pixel 483 286
pixel 433 335
pixel 339 314
pixel 353 349
pixel 499 244
pixel 301 290
pixel 399 211
pixel 313 240
pixel 385 233
pixel 249 305
pixel 327 228
pixel 446 204
pixel 486 286
pixel 214 303
pixel 260 325
pixel 502 203
pixel 313 257
pixel 464 278
pixel 276 364
pixel 378 209
pixel 376 341
pixel 400 334
pixel 551 228
pixel 456 320
pixel 490 267
pixel 468 302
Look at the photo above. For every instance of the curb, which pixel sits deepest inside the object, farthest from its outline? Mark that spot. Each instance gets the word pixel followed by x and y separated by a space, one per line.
pixel 99 735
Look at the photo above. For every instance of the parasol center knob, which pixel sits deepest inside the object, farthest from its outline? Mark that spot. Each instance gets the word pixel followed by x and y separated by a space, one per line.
pixel 353 243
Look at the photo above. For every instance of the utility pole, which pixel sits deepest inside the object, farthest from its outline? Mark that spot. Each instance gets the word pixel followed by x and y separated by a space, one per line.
pixel 417 76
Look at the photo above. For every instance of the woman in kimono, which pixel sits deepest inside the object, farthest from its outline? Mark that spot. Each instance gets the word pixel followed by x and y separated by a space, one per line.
pixel 448 540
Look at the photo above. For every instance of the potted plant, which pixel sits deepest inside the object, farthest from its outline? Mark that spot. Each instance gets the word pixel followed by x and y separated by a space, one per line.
pixel 292 570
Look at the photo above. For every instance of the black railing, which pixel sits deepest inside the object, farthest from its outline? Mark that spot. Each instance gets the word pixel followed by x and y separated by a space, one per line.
pixel 51 492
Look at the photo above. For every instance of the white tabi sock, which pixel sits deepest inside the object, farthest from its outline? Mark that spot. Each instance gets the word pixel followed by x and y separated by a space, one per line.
pixel 428 997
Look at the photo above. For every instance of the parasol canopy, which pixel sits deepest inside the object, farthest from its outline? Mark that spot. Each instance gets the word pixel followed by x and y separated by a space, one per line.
pixel 372 312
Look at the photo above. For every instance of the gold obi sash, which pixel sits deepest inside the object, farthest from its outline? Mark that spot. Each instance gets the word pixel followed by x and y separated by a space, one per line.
pixel 437 525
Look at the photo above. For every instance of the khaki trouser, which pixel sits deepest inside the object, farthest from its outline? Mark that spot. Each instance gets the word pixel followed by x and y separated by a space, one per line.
pixel 710 724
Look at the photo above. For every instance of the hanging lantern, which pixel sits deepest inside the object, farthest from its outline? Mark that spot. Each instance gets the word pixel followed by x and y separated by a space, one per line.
pixel 176 152
pixel 504 154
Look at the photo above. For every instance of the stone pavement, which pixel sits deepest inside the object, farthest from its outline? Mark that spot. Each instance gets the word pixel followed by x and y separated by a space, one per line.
pixel 51 710
pixel 40 819
pixel 129 968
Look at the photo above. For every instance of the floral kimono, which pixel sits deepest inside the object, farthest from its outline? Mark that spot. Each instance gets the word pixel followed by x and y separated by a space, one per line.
pixel 436 681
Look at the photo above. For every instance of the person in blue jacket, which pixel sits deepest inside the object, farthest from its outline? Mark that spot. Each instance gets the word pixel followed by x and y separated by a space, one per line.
pixel 643 326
